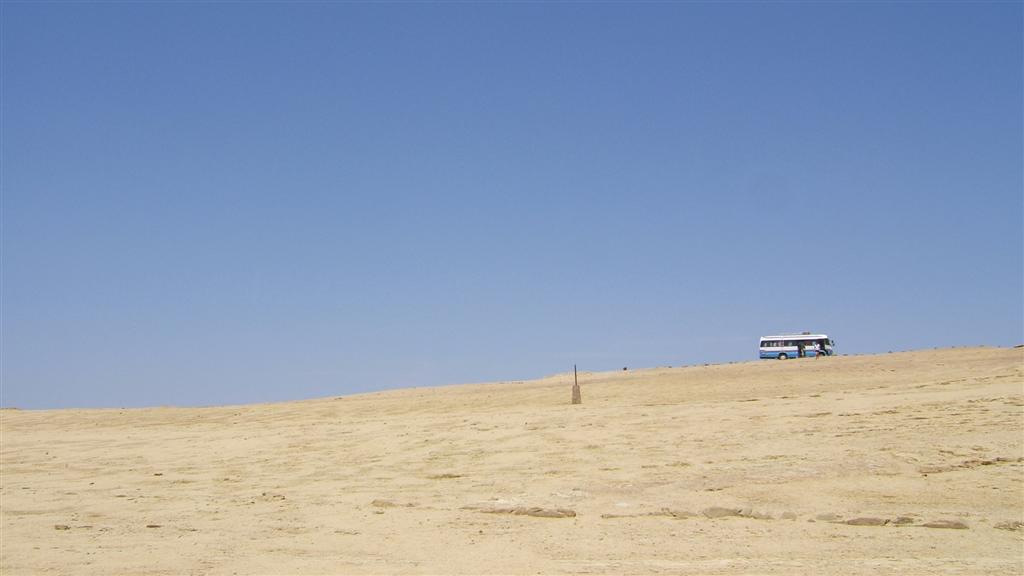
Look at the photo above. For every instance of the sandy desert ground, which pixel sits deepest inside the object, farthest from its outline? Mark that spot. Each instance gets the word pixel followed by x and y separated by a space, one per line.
pixel 904 463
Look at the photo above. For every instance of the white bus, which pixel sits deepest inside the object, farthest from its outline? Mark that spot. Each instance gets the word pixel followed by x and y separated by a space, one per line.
pixel 784 346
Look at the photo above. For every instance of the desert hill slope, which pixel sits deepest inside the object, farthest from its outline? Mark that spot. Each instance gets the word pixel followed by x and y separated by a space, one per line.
pixel 897 463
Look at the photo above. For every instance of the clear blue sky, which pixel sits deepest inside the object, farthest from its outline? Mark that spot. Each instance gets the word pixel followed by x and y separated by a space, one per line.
pixel 209 203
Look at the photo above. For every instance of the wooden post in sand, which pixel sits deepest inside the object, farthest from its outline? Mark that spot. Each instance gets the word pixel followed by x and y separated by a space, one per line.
pixel 576 397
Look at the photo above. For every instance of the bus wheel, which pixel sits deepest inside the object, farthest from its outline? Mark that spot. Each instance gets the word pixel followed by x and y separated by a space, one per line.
pixel 783 357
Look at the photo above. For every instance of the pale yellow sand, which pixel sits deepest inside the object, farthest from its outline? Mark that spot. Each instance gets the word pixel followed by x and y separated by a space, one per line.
pixel 743 468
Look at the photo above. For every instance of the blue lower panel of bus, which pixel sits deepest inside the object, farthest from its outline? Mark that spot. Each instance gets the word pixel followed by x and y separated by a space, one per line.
pixel 790 354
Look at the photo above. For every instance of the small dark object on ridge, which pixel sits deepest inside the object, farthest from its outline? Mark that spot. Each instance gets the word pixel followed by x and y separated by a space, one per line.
pixel 624 368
